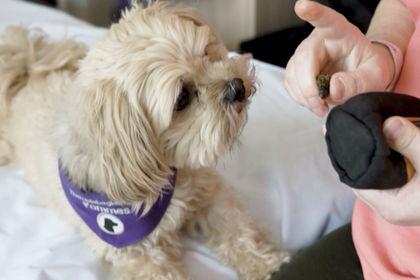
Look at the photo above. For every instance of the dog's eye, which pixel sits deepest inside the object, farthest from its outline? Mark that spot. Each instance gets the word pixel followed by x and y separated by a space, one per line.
pixel 183 99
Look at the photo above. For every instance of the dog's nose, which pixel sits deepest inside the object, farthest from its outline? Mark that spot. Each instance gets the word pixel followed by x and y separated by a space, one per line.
pixel 235 91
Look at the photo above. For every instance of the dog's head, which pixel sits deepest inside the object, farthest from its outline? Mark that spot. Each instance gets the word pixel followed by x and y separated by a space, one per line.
pixel 162 92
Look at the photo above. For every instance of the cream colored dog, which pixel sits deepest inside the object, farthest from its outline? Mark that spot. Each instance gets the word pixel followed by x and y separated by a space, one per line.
pixel 157 91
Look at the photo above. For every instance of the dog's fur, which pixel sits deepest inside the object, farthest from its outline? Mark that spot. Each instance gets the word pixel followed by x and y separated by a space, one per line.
pixel 109 114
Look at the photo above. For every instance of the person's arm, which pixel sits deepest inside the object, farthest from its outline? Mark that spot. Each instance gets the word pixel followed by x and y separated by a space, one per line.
pixel 392 23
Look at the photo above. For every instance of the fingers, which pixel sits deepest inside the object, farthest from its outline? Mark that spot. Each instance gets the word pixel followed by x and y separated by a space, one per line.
pixel 321 17
pixel 392 204
pixel 403 137
pixel 367 77
pixel 312 55
pixel 301 73
pixel 302 92
pixel 335 47
pixel 397 206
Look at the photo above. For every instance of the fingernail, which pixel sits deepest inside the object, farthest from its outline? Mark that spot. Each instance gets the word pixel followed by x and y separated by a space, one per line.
pixel 324 129
pixel 320 112
pixel 315 103
pixel 393 129
pixel 317 106
pixel 341 89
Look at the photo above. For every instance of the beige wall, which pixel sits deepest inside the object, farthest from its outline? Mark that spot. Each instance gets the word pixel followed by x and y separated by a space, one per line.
pixel 273 15
pixel 97 12
pixel 235 20
pixel 239 20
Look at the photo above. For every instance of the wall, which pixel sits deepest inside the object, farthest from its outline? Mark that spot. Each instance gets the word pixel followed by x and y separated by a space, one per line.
pixel 273 15
pixel 235 20
pixel 239 20
pixel 97 12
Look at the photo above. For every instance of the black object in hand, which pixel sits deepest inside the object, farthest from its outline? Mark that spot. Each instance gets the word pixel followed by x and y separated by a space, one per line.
pixel 357 146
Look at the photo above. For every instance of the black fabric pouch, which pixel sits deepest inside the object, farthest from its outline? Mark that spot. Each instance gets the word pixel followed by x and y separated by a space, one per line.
pixel 357 146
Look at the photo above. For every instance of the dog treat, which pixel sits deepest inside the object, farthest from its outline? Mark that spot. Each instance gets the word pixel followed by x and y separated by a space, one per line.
pixel 323 82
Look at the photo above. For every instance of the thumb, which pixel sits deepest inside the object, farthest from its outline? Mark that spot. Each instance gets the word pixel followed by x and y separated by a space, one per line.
pixel 404 137
pixel 344 85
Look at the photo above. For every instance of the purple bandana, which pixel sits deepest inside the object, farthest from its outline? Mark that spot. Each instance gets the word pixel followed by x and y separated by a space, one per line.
pixel 114 222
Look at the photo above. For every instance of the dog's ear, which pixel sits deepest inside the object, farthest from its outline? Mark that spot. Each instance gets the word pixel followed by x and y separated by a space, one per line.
pixel 133 166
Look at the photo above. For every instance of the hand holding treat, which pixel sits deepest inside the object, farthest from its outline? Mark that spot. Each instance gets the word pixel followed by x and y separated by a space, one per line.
pixel 340 49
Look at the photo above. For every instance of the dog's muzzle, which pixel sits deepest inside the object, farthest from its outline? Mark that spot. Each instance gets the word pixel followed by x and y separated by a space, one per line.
pixel 235 91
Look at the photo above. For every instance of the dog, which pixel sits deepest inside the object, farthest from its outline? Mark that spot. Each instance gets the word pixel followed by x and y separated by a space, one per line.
pixel 129 131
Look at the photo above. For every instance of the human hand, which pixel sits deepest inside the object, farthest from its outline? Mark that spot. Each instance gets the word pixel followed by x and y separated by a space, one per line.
pixel 399 206
pixel 340 49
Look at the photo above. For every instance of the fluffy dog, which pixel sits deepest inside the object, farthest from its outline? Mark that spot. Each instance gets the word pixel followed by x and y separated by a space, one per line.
pixel 157 93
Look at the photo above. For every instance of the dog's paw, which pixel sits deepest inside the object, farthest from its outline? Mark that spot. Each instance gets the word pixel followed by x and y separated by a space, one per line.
pixel 5 151
pixel 284 258
pixel 152 276
pixel 263 266
pixel 275 263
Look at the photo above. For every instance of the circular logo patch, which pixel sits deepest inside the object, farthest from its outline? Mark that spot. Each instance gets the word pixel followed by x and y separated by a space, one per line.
pixel 110 224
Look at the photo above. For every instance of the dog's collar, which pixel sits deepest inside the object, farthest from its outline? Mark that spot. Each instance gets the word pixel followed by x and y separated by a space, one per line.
pixel 113 222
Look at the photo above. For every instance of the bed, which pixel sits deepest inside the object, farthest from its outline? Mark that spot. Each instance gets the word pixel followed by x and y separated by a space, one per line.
pixel 281 170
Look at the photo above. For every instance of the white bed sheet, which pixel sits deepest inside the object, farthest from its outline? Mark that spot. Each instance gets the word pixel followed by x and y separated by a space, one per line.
pixel 281 169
